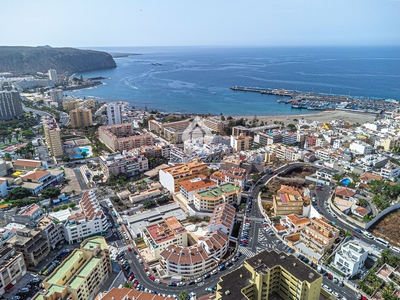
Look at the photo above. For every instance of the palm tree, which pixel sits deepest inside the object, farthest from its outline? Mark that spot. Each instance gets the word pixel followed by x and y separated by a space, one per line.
pixel 183 295
pixel 362 202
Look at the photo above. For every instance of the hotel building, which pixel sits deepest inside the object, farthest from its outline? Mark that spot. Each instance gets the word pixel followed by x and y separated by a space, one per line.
pixel 161 235
pixel 81 275
pixel 81 117
pixel 215 124
pixel 269 275
pixel 240 143
pixel 208 200
pixel 52 135
pixel 319 235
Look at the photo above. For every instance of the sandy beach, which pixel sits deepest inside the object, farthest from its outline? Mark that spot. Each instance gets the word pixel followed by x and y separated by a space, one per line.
pixel 323 116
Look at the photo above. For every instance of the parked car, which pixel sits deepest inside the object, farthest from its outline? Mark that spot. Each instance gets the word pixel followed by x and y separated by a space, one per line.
pixel 213 272
pixel 181 283
pixel 157 280
pixel 206 276
pixel 191 282
pixel 171 283
pixel 152 277
pixel 198 280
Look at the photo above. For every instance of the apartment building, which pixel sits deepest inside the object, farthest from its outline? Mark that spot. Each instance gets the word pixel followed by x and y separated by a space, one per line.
pixel 208 200
pixel 29 165
pixel 171 177
pixel 223 219
pixel 38 180
pixel 233 174
pixel 56 95
pixel 326 173
pixel 350 258
pixel 123 137
pixel 32 243
pixel 264 139
pixel 323 154
pixel 114 112
pixel 81 117
pixel 53 137
pixel 289 138
pixel 196 259
pixel 189 187
pixel 361 148
pixel 390 171
pixel 28 215
pixel 215 124
pixel 163 234
pixel 288 201
pixel 125 163
pixel 12 268
pixel 54 232
pixel 159 127
pixel 81 275
pixel 319 235
pixel 129 294
pixel 241 130
pixel 268 275
pixel 10 105
pixel 53 75
pixel 240 143
pixel 294 223
pixel 89 222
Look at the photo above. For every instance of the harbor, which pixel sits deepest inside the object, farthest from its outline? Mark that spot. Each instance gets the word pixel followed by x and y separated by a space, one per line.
pixel 324 102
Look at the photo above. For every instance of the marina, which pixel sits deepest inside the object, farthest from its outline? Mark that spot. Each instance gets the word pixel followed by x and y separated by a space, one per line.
pixel 323 102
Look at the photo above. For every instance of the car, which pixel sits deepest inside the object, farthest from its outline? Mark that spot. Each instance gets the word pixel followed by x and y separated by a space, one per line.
pixel 15 298
pixel 244 241
pixel 148 274
pixel 336 294
pixel 221 267
pixel 235 258
pixel 228 264
pixel 206 276
pixel 278 241
pixel 357 230
pixel 152 277
pixel 275 173
pixel 140 261
pixel 129 249
pixel 181 283
pixel 191 282
pixel 213 272
pixel 355 235
pixel 330 276
pixel 171 283
pixel 319 188
pixel 34 280
pixel 335 280
pixel 272 234
pixel 198 280
pixel 239 254
pixel 131 277
pixel 265 225
pixel 341 283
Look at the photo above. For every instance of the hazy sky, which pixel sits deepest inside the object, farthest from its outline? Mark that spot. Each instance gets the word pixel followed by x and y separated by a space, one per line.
pixel 98 23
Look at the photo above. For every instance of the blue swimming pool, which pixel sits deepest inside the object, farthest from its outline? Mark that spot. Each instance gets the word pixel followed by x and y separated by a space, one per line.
pixel 87 149
pixel 345 181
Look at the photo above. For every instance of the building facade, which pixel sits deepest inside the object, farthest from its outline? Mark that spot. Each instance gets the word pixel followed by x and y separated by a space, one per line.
pixel 10 105
pixel 53 75
pixel 12 268
pixel 223 219
pixel 53 137
pixel 350 258
pixel 114 113
pixel 319 235
pixel 81 117
pixel 208 200
pixel 125 163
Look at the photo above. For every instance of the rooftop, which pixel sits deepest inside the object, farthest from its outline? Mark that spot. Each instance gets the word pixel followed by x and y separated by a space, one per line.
pixel 92 243
pixel 64 267
pixel 232 283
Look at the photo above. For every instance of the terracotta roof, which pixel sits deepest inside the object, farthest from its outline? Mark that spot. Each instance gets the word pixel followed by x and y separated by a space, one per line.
pixel 34 175
pixel 223 214
pixel 367 176
pixel 344 192
pixel 296 220
pixel 194 185
pixel 285 189
pixel 27 162
pixel 129 294
pixel 361 210
pixel 218 176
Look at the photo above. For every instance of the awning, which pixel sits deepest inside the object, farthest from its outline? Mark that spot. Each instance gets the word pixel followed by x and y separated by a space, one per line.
pixel 9 287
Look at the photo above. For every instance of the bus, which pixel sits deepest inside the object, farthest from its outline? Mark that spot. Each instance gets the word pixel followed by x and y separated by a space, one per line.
pixel 382 242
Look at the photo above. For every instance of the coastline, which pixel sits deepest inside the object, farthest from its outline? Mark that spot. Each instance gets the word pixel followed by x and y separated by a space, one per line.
pixel 323 116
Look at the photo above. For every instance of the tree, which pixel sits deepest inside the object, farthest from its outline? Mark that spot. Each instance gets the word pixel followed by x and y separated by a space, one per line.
pixel 64 207
pixel 183 295
pixel 242 207
pixel 18 193
pixel 72 205
pixel 362 202
pixel 51 192
pixel 292 127
pixel 128 284
pixel 336 177
pixel 7 156
pixel 84 154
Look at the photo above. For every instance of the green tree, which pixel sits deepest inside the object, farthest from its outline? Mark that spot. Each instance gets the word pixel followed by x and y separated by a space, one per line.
pixel 242 207
pixel 18 193
pixel 336 177
pixel 291 127
pixel 128 284
pixel 51 192
pixel 183 295
pixel 72 205
pixel 64 207
pixel 84 154
pixel 7 156
pixel 362 202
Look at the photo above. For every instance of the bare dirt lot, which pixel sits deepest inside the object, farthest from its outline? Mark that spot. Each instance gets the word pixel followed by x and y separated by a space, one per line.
pixel 292 177
pixel 388 228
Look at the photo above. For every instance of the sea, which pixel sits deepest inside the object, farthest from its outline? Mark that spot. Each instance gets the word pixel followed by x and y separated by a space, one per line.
pixel 198 79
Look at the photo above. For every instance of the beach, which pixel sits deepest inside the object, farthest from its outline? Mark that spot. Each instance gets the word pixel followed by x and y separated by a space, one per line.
pixel 323 116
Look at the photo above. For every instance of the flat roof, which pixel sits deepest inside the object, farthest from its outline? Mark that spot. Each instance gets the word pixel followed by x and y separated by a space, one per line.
pixel 89 267
pixel 54 288
pixel 76 282
pixel 65 266
pixel 94 242
pixel 234 282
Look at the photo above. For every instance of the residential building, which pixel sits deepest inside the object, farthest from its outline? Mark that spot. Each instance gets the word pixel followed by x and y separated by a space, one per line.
pixel 344 193
pixel 326 174
pixel 89 222
pixel 56 95
pixel 53 76
pixel 268 275
pixel 38 180
pixel 163 234
pixel 319 235
pixel 12 268
pixel 10 105
pixel 114 112
pixel 208 200
pixel 289 138
pixel 123 137
pixel 81 117
pixel 241 130
pixel 323 154
pixel 81 275
pixel 171 177
pixel 52 135
pixel 350 258
pixel 390 171
pixel 367 177
pixel 32 243
pixel 28 215
pixel 361 148
pixel 196 259
pixel 222 219
pixel 233 174
pixel 125 163
pixel 215 124
pixel 189 187
pixel 240 143
pixel 54 232
pixel 129 294
pixel 288 201
pixel 3 187
pixel 294 223
pixel 172 131
pixel 29 165
pixel 264 139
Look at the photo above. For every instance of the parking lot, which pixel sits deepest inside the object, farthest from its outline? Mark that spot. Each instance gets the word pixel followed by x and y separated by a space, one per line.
pixel 23 289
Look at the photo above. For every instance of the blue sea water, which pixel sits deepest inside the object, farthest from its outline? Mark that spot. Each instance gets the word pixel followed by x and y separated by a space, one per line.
pixel 197 79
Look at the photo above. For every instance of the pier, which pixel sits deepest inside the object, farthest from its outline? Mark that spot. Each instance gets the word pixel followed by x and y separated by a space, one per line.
pixel 318 101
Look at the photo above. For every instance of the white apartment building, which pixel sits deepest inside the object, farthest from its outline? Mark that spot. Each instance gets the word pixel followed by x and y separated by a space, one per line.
pixel 350 258
pixel 223 219
pixel 197 259
pixel 55 233
pixel 323 154
pixel 89 222
pixel 12 268
pixel 289 138
pixel 233 174
pixel 337 143
pixel 189 187
pixel 361 148
pixel 53 75
pixel 114 112
pixel 390 171
pixel 168 232
pixel 209 199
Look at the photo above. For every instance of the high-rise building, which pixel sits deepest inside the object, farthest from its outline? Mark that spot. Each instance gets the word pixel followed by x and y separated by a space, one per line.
pixel 53 76
pixel 271 275
pixel 81 117
pixel 56 95
pixel 10 105
pixel 52 135
pixel 114 113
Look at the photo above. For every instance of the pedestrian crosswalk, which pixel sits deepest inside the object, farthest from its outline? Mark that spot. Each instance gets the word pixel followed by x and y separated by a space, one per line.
pixel 245 251
pixel 123 248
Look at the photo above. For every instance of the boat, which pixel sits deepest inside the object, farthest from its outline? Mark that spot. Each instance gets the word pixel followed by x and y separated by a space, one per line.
pixel 214 93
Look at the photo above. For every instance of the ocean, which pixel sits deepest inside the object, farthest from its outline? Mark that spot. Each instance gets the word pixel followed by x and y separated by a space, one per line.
pixel 197 79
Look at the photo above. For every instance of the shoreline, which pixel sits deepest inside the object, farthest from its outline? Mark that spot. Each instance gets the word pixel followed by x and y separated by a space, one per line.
pixel 323 116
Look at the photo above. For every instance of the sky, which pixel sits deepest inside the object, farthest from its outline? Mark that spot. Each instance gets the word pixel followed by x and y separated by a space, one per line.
pixel 102 23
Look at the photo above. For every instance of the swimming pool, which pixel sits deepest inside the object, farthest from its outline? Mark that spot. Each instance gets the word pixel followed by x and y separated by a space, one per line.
pixel 86 149
pixel 345 181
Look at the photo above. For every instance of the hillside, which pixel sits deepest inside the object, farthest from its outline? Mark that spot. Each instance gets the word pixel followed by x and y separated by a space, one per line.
pixel 29 60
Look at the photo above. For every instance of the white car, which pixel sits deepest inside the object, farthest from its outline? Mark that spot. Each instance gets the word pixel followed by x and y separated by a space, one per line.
pixel 213 272
pixel 157 280
pixel 200 279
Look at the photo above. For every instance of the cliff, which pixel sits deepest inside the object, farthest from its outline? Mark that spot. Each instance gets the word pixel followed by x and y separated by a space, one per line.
pixel 29 60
